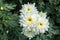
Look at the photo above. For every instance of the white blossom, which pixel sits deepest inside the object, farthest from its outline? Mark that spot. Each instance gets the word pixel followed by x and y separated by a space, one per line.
pixel 29 9
pixel 28 20
pixel 42 14
pixel 30 32
pixel 42 25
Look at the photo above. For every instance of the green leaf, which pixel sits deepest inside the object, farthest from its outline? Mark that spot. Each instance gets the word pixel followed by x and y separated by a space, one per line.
pixel 1 28
pixel 20 1
pixel 9 6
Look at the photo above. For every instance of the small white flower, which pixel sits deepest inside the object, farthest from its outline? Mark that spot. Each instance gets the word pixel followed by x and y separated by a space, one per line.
pixel 43 14
pixel 30 32
pixel 28 20
pixel 1 8
pixel 29 9
pixel 7 31
pixel 42 25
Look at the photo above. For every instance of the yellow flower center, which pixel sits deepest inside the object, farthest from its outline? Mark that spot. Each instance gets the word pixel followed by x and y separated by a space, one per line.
pixel 29 20
pixel 29 32
pixel 28 9
pixel 40 24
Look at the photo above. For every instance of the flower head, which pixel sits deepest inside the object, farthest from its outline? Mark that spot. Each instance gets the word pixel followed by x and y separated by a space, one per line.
pixel 29 9
pixel 42 14
pixel 28 20
pixel 30 32
pixel 42 25
pixel 1 8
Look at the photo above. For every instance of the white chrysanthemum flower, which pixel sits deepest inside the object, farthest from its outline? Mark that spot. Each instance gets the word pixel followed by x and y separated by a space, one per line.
pixel 29 9
pixel 43 14
pixel 28 20
pixel 42 25
pixel 30 32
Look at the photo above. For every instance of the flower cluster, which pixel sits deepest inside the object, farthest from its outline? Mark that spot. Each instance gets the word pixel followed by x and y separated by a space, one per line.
pixel 32 21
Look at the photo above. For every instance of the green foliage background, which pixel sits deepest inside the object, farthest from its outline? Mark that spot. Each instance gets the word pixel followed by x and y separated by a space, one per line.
pixel 9 19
